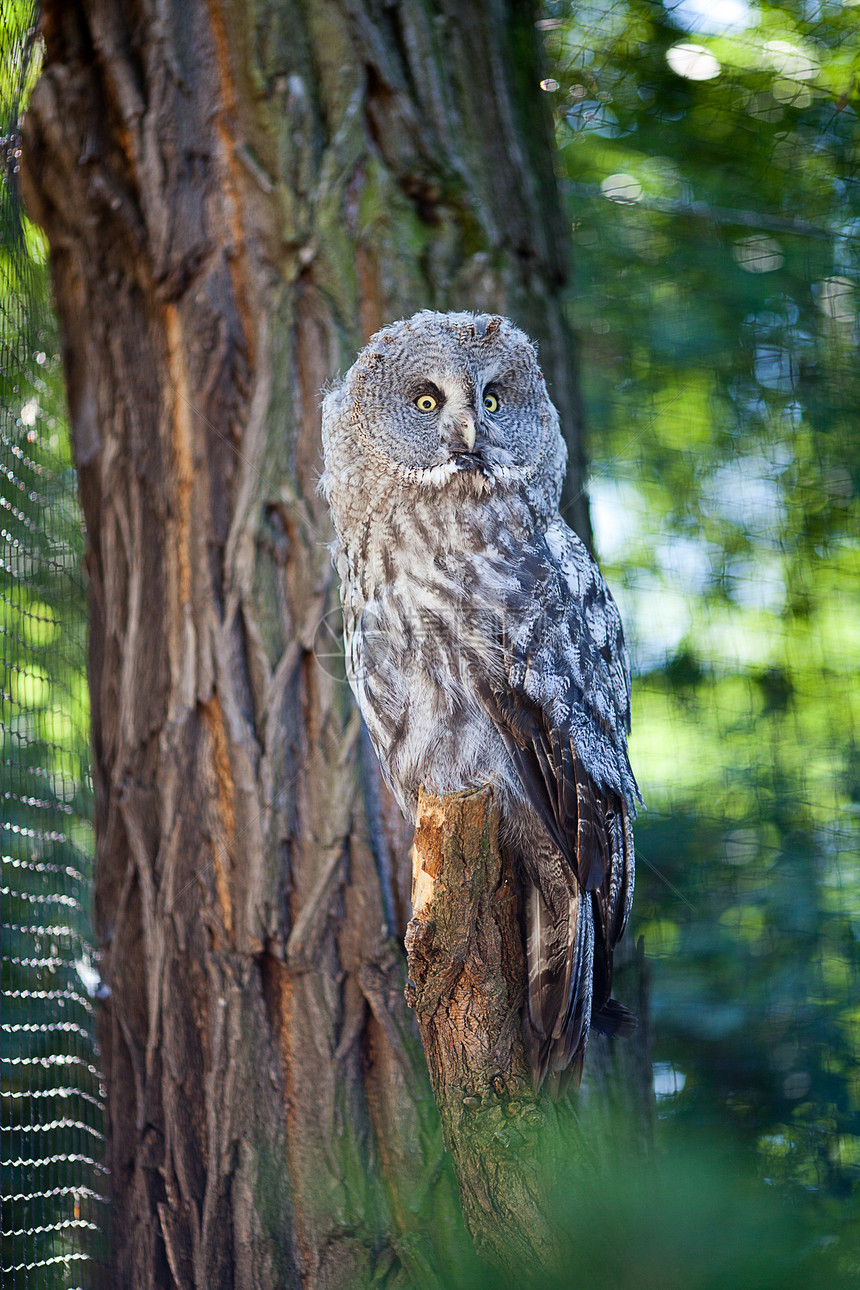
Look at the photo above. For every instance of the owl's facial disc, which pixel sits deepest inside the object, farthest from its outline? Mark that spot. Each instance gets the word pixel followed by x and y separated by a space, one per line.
pixel 444 400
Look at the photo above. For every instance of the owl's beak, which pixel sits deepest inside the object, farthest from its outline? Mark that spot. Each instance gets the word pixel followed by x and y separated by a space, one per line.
pixel 459 428
pixel 468 430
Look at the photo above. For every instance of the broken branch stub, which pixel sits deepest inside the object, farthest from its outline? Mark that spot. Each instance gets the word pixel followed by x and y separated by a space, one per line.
pixel 467 986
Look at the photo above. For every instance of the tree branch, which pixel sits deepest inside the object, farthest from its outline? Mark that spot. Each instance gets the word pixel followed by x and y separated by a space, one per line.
pixel 466 984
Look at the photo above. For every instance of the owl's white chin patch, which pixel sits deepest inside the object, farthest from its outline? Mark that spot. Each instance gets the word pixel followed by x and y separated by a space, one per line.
pixel 481 480
pixel 435 476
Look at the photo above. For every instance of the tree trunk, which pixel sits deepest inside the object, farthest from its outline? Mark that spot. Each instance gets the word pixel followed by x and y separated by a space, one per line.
pixel 235 196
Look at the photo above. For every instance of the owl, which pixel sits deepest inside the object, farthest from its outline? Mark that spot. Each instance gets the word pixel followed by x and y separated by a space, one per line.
pixel 482 643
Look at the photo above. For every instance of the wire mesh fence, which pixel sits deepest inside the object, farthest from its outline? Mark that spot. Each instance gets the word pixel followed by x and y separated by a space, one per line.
pixel 52 1132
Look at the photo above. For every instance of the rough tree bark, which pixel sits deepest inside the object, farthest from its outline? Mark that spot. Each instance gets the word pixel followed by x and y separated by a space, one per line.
pixel 235 196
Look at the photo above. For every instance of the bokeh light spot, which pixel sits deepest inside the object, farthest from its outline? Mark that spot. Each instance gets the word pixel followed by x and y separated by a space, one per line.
pixel 758 254
pixel 621 188
pixel 693 62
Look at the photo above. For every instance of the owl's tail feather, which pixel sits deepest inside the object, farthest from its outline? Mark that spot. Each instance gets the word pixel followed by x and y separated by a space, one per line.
pixel 559 954
pixel 614 1019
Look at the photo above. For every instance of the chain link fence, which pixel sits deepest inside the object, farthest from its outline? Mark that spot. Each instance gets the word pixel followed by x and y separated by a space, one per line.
pixel 52 1131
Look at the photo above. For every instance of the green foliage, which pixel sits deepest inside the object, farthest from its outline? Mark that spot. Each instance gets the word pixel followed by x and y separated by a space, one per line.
pixel 694 1218
pixel 717 231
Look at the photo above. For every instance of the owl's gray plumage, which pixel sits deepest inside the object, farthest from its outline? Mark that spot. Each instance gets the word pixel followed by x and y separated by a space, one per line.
pixel 481 642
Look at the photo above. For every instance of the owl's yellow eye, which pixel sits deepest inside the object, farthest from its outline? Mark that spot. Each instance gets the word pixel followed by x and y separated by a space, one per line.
pixel 491 403
pixel 426 403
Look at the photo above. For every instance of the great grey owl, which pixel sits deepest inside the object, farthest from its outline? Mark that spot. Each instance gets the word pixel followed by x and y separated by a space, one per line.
pixel 482 643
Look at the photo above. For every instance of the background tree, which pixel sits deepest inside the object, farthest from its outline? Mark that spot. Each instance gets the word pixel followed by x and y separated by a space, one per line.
pixel 235 197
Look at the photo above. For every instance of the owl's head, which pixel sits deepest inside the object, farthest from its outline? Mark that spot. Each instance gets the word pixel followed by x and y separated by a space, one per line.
pixel 444 401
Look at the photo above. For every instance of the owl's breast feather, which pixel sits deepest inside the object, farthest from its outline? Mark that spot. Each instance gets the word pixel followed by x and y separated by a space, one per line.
pixel 417 648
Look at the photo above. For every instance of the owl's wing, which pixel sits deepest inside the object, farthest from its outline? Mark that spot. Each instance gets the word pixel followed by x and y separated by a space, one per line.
pixel 562 705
